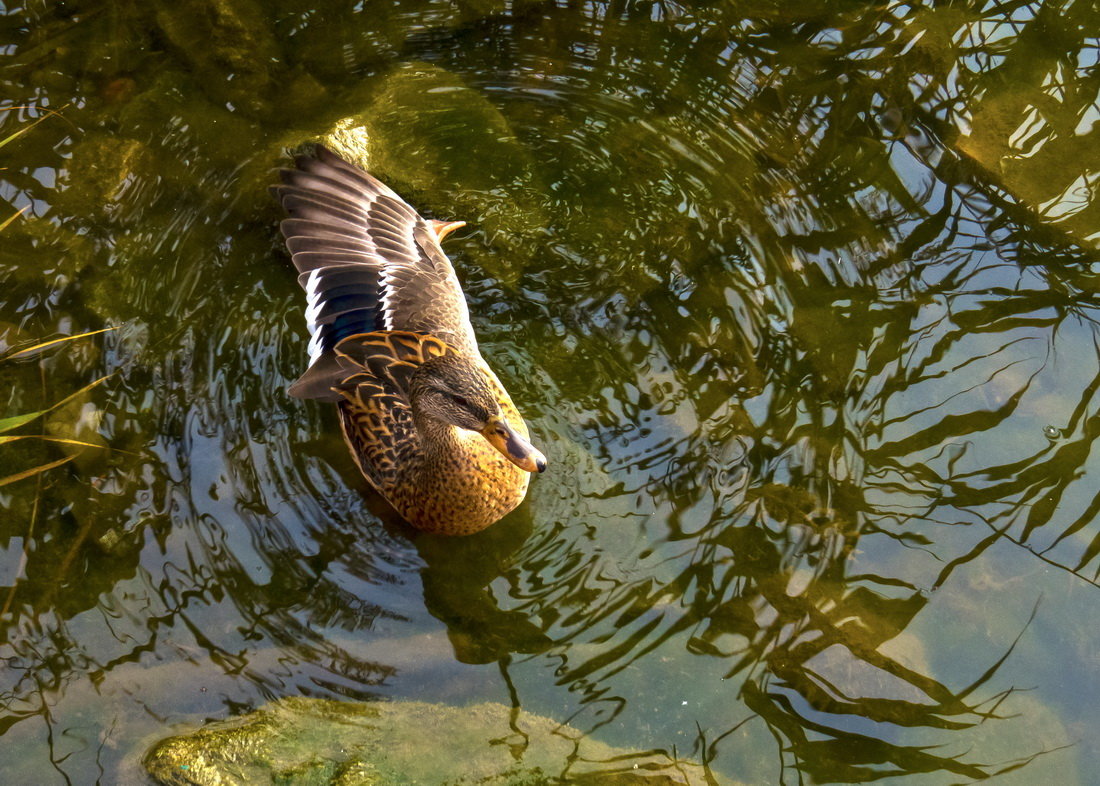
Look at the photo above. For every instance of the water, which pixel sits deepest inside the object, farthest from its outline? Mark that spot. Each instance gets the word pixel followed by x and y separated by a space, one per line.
pixel 800 303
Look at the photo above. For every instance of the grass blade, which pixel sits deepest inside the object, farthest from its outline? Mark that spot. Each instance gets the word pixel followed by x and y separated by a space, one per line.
pixel 30 473
pixel 21 131
pixel 12 217
pixel 77 442
pixel 7 424
pixel 15 421
pixel 45 344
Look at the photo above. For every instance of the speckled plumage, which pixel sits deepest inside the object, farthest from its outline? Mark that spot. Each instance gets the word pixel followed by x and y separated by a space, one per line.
pixel 392 345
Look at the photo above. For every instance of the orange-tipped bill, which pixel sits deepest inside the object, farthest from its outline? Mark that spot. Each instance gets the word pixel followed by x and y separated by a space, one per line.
pixel 514 446
pixel 444 228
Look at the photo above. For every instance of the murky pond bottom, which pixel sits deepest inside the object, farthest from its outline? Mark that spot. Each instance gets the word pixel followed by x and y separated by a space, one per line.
pixel 799 303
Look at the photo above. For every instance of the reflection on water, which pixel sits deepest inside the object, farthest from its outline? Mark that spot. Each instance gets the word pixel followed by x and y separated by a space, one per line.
pixel 802 302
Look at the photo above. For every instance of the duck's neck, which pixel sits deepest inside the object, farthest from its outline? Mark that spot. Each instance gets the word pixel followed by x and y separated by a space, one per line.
pixel 438 441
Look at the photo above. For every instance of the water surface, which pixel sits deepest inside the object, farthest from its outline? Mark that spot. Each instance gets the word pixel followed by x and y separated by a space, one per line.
pixel 798 299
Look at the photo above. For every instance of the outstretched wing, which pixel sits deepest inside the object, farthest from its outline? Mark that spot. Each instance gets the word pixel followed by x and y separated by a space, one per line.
pixel 367 261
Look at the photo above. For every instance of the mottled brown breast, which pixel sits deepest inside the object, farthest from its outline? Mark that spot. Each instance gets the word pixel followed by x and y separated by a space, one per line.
pixel 456 483
pixel 473 488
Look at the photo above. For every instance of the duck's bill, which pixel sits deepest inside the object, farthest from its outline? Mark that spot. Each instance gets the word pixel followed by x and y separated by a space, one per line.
pixel 514 446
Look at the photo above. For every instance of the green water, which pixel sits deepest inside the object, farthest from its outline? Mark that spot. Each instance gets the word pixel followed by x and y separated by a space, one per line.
pixel 798 299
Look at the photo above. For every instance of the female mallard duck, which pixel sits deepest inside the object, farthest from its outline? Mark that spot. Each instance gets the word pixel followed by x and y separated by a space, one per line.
pixel 427 420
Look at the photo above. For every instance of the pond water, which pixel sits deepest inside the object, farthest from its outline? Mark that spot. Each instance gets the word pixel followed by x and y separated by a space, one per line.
pixel 800 300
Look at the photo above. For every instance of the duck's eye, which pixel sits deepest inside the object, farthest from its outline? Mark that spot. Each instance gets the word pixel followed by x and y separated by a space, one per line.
pixel 462 401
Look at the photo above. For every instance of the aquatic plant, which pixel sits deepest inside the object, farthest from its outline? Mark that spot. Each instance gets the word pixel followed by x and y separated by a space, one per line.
pixel 14 422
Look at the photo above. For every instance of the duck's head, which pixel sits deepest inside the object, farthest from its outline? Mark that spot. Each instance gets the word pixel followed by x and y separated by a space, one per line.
pixel 454 390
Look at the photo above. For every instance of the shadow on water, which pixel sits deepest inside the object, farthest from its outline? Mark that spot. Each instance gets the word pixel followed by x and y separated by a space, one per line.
pixel 800 301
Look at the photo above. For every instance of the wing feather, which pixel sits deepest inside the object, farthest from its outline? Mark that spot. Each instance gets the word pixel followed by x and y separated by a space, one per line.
pixel 373 400
pixel 341 219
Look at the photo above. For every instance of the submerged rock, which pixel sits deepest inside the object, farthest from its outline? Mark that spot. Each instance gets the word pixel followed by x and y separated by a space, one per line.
pixel 230 45
pixel 442 144
pixel 100 169
pixel 431 130
pixel 317 741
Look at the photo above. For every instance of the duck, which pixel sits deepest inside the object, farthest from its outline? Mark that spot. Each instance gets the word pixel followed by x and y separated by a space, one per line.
pixel 428 423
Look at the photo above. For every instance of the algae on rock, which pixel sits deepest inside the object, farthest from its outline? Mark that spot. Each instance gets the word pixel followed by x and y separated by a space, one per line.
pixel 318 741
pixel 432 138
pixel 220 38
pixel 440 144
pixel 99 170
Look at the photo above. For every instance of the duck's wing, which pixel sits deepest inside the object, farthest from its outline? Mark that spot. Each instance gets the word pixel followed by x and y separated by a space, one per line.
pixel 386 358
pixel 381 433
pixel 367 261
pixel 373 401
